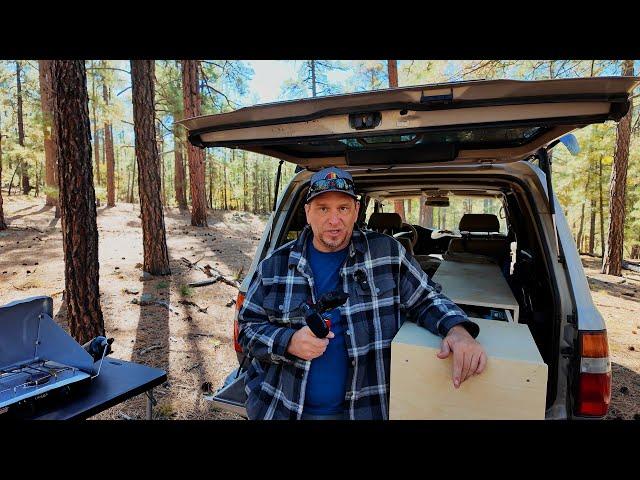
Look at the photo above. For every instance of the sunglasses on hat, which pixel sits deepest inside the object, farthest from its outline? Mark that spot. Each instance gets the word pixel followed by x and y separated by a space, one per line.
pixel 331 184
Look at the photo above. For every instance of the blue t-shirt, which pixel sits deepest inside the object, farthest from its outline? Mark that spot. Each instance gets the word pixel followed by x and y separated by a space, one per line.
pixel 326 383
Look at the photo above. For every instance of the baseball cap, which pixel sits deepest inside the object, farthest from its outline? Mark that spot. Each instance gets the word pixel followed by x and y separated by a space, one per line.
pixel 332 179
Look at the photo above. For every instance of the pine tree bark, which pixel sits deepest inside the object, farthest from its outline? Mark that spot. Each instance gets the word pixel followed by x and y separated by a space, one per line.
pixel 3 224
pixel 96 136
pixel 109 156
pixel 398 207
pixel 224 185
pixel 191 99
pixel 314 90
pixel 77 198
pixel 255 186
pixel 392 69
pixel 581 228
pixel 245 190
pixel 612 264
pixel 592 226
pixel 156 257
pixel 601 209
pixel 49 147
pixel 178 179
pixel 26 188
pixel 160 141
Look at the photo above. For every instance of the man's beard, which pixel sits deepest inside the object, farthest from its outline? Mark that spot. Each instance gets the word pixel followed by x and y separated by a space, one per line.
pixel 333 245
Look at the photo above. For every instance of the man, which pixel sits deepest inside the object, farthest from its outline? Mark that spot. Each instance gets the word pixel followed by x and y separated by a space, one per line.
pixel 296 375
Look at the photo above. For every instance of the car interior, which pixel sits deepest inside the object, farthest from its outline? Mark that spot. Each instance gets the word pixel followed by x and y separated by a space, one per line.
pixel 466 222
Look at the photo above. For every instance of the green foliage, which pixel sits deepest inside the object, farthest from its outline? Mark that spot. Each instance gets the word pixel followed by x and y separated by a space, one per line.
pixel 308 72
pixel 186 291
pixel 162 284
pixel 247 179
pixel 101 193
pixel 51 191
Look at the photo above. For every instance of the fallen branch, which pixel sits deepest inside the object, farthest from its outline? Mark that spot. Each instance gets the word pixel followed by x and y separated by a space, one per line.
pixel 16 227
pixel 209 271
pixel 192 304
pixel 193 367
pixel 631 266
pixel 202 283
pixel 161 303
pixel 148 349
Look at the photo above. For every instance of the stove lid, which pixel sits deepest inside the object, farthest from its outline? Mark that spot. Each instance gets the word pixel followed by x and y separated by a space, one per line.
pixel 29 333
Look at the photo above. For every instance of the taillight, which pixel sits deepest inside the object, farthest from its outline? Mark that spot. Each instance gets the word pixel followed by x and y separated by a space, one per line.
pixel 594 381
pixel 236 326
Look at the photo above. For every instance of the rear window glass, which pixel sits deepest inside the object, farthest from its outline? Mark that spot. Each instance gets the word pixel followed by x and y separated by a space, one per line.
pixel 446 218
pixel 469 138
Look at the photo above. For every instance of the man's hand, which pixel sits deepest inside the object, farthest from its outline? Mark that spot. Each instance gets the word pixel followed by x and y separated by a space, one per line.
pixel 304 344
pixel 469 358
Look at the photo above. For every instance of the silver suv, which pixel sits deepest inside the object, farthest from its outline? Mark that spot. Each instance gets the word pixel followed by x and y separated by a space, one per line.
pixel 474 159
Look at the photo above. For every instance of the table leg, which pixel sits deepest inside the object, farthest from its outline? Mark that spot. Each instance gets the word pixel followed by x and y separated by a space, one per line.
pixel 150 402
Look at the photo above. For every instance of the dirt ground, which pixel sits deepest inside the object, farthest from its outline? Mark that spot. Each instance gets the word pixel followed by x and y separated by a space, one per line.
pixel 194 343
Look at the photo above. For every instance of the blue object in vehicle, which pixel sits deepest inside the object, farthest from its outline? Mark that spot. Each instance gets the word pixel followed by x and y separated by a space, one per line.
pixel 571 142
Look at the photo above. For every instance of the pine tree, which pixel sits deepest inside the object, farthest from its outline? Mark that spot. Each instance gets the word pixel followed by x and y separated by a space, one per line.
pixel 44 67
pixel 191 98
pixel 3 224
pixel 156 257
pixel 612 262
pixel 77 198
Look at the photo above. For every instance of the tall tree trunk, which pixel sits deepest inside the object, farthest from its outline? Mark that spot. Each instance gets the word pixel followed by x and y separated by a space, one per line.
pixel 3 224
pixel 133 180
pixel 178 179
pixel 601 209
pixel 428 216
pixel 224 185
pixel 314 91
pixel 77 198
pixel 191 98
pixel 398 207
pixel 612 263
pixel 210 169
pixel 581 228
pixel 154 239
pixel 392 69
pixel 160 142
pixel 96 137
pixel 255 186
pixel 108 152
pixel 51 177
pixel 269 199
pixel 129 175
pixel 245 190
pixel 111 165
pixel 26 188
pixel 592 226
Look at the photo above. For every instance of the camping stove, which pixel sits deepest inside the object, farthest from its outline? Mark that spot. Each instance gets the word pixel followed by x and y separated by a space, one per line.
pixel 38 359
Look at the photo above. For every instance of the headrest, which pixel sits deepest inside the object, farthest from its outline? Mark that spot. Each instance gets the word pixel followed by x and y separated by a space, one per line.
pixel 479 222
pixel 382 220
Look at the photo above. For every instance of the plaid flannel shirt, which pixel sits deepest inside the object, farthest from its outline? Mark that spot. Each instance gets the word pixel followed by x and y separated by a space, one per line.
pixel 393 287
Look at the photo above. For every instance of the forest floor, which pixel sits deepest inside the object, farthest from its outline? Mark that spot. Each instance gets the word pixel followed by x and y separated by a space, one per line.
pixel 193 341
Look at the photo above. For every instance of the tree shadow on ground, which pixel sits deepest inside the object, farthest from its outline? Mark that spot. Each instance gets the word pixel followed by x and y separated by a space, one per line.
pixel 15 217
pixel 625 394
pixel 620 290
pixel 151 345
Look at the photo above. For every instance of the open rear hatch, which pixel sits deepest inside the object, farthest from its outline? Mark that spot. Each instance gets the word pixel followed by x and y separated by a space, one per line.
pixel 496 120
pixel 467 122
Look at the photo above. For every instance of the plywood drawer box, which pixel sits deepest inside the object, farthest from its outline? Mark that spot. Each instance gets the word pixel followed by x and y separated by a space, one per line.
pixel 512 386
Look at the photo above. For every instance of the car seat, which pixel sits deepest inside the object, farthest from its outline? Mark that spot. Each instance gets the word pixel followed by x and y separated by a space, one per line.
pixel 480 240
